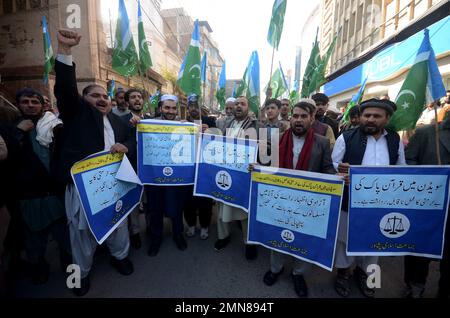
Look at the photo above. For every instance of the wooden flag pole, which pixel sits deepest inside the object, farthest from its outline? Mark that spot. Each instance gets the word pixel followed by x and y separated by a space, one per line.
pixel 436 128
pixel 270 82
pixel 9 104
pixel 271 71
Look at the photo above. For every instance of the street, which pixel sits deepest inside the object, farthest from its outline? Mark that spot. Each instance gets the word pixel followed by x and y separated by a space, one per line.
pixel 202 272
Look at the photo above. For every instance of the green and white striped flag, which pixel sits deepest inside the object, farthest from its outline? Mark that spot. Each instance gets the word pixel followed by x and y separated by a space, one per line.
pixel 276 23
pixel 125 59
pixel 313 63
pixel 191 80
pixel 145 61
pixel 49 58
pixel 318 75
pixel 220 94
pixel 423 85
pixel 278 83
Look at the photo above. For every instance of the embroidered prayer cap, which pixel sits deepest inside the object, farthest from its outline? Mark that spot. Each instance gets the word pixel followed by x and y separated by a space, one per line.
pixel 230 100
pixel 169 97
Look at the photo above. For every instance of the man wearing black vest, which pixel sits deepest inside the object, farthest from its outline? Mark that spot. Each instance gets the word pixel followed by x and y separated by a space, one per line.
pixel 369 145
pixel 322 103
pixel 89 127
pixel 421 150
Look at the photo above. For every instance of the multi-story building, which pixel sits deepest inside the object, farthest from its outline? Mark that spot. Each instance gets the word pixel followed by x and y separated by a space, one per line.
pixel 178 29
pixel 165 63
pixel 378 39
pixel 22 53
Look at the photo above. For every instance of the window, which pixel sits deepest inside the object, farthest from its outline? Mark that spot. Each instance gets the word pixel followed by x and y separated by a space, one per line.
pixel 345 31
pixel 35 4
pixel 13 6
pixel 359 17
pixel 21 5
pixel 7 6
pixel 352 24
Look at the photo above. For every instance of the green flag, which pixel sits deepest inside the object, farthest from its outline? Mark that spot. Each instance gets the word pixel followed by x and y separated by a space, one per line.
pixel 278 83
pixel 423 85
pixel 249 86
pixel 356 99
pixel 125 60
pixel 276 23
pixel 294 96
pixel 191 81
pixel 314 61
pixel 318 75
pixel 252 83
pixel 241 89
pixel 221 93
pixel 145 61
pixel 49 58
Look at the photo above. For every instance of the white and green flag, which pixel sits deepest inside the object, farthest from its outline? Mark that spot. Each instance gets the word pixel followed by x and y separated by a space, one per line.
pixel 276 23
pixel 278 83
pixel 423 85
pixel 221 93
pixel 125 59
pixel 145 61
pixel 190 78
pixel 49 58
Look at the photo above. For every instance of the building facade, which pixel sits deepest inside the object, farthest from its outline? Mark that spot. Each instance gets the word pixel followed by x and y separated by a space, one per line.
pixel 378 39
pixel 22 52
pixel 178 28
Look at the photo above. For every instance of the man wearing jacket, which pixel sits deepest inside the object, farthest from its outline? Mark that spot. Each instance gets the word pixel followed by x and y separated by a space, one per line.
pixel 89 127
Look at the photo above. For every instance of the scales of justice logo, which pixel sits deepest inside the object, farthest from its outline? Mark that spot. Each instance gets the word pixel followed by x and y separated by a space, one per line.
pixel 223 180
pixel 394 225
pixel 168 171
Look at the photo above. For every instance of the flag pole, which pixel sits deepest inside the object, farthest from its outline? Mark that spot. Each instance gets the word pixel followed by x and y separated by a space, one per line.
pixel 436 129
pixel 9 103
pixel 271 69
pixel 144 91
pixel 270 82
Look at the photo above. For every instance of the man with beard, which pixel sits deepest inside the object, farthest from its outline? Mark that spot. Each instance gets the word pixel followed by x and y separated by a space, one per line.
pixel 194 203
pixel 89 127
pixel 322 103
pixel 166 201
pixel 442 113
pixel 300 149
pixel 421 150
pixel 242 126
pixel 133 98
pixel 285 112
pixel 39 195
pixel 369 145
pixel 223 122
pixel 194 114
pixel 122 107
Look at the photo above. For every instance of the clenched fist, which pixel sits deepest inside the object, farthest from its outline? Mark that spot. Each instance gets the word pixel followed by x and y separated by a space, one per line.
pixel 66 40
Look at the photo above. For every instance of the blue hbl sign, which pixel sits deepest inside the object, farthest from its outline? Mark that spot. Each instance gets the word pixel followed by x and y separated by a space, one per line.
pixel 392 59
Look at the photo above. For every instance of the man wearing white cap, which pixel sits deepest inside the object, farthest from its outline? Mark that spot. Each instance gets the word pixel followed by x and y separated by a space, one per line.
pixel 223 122
pixel 242 126
pixel 166 201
